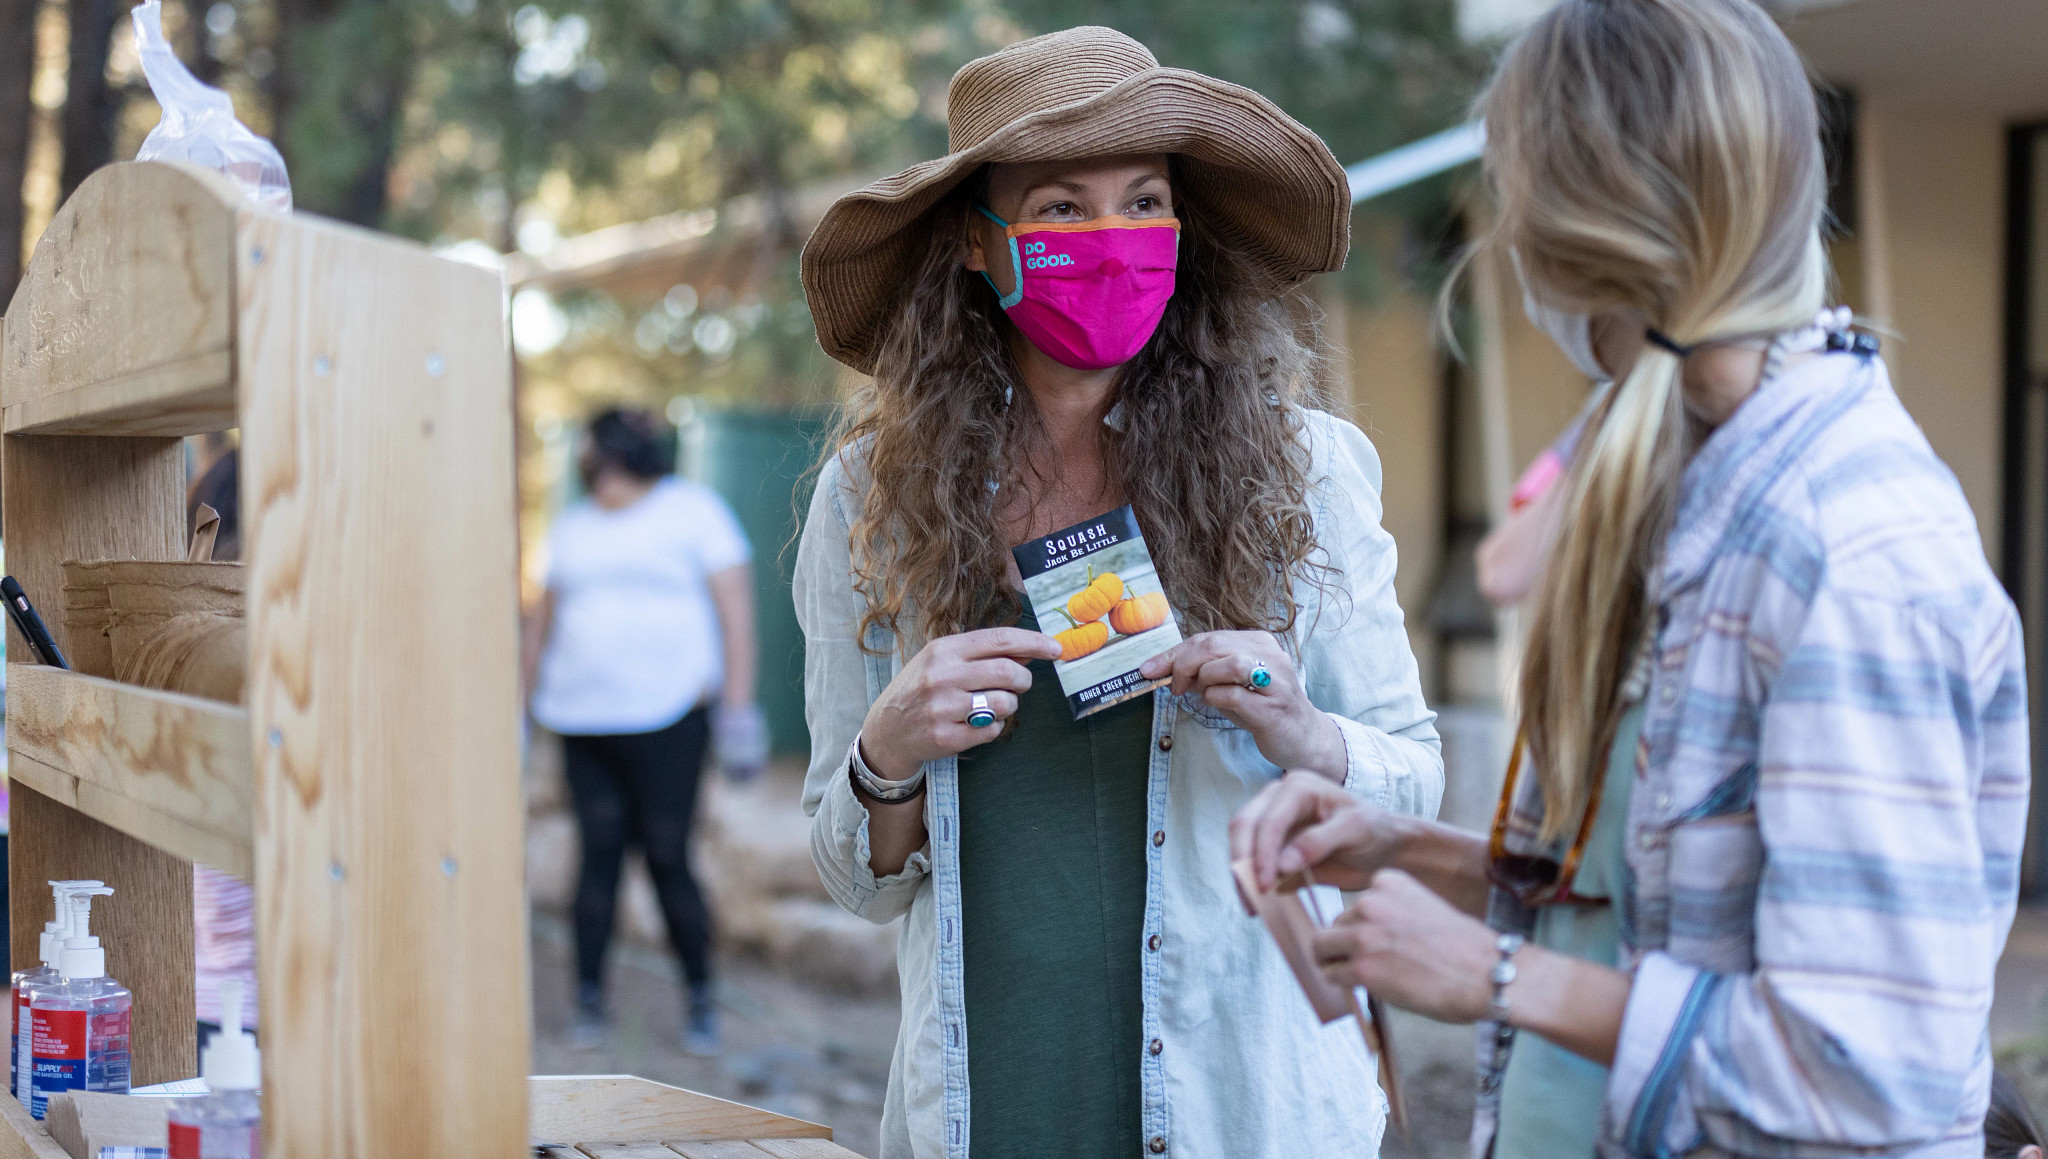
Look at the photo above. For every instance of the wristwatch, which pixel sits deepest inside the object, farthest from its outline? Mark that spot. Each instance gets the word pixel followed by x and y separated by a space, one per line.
pixel 886 791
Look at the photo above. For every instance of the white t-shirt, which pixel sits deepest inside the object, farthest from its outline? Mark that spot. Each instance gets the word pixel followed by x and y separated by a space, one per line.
pixel 634 643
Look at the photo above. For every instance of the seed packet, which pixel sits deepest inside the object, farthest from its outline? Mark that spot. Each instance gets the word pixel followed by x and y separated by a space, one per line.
pixel 1094 589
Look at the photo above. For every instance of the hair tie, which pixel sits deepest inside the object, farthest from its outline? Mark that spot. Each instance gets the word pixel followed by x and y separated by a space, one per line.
pixel 1664 341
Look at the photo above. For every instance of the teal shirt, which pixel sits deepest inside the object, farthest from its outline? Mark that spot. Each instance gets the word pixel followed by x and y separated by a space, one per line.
pixel 1052 898
pixel 1550 1098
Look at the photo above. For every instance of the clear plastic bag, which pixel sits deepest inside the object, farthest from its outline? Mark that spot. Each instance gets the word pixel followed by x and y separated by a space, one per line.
pixel 199 124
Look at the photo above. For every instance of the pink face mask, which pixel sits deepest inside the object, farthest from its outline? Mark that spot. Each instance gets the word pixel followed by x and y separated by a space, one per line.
pixel 1090 294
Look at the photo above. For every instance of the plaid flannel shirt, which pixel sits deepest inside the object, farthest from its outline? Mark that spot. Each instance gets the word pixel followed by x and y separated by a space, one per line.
pixel 1825 831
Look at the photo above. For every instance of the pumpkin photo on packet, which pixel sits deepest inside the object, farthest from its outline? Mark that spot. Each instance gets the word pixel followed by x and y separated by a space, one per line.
pixel 1097 599
pixel 1135 614
pixel 1082 639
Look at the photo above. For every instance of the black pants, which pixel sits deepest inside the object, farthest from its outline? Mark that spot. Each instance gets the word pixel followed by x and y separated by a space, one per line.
pixel 639 788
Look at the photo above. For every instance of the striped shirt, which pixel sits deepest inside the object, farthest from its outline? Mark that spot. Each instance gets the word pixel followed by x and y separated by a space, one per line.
pixel 223 941
pixel 1831 796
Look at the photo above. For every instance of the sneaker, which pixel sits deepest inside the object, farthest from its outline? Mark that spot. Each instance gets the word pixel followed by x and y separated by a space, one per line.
pixel 588 1028
pixel 700 1026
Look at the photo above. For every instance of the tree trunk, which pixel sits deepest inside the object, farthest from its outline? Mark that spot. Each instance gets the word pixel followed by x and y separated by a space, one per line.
pixel 17 115
pixel 90 105
pixel 343 69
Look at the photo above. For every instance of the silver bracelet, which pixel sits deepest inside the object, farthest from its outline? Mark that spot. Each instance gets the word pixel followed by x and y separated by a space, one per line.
pixel 1503 973
pixel 881 789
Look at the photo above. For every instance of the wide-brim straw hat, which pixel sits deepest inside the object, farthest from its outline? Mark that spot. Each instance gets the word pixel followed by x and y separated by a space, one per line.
pixel 1266 184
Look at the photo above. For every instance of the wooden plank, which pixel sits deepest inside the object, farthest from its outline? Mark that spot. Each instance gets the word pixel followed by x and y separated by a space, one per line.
pixel 188 397
pixel 170 769
pixel 146 926
pixel 73 498
pixel 630 1151
pixel 21 1137
pixel 717 1149
pixel 804 1149
pixel 98 498
pixel 379 529
pixel 629 1107
pixel 134 274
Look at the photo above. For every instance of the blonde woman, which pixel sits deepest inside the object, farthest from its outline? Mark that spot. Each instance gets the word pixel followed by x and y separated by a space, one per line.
pixel 1077 978
pixel 1773 703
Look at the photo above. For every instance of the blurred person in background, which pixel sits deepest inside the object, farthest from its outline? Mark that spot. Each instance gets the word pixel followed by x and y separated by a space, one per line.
pixel 1773 702
pixel 1077 976
pixel 640 653
pixel 2010 1129
pixel 223 906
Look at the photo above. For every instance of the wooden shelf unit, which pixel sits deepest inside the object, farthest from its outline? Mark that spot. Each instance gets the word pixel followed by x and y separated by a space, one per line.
pixel 368 783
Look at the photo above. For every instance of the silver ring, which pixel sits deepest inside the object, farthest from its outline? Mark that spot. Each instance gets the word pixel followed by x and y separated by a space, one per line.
pixel 1259 679
pixel 979 714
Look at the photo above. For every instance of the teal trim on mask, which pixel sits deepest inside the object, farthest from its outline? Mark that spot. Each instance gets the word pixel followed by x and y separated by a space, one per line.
pixel 1016 265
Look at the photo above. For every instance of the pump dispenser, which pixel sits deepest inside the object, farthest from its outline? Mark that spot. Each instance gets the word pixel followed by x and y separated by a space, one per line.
pixel 80 1027
pixel 227 1123
pixel 25 982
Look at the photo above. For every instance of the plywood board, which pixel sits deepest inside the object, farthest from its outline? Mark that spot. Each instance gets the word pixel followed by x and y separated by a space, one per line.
pixel 378 521
pixel 627 1107
pixel 171 769
pixel 804 1149
pixel 630 1151
pixel 718 1149
pixel 21 1137
pixel 187 397
pixel 131 290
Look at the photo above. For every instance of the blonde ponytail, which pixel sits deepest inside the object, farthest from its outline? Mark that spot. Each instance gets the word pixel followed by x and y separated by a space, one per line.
pixel 1659 158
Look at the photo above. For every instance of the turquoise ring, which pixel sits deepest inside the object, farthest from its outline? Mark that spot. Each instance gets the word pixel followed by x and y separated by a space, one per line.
pixel 1260 678
pixel 979 714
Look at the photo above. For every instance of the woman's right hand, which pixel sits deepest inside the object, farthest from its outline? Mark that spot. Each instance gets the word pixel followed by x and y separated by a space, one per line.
pixel 922 715
pixel 1303 821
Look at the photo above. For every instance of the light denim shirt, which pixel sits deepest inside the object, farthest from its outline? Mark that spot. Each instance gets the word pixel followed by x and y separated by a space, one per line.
pixel 1235 1065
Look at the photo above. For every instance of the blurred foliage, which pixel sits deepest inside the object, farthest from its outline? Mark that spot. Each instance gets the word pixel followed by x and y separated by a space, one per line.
pixel 514 123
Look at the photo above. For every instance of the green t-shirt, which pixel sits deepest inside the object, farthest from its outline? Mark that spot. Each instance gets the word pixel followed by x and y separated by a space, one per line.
pixel 1052 894
pixel 1550 1098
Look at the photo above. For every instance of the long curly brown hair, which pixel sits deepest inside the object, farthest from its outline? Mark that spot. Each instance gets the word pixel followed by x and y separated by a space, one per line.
pixel 1211 453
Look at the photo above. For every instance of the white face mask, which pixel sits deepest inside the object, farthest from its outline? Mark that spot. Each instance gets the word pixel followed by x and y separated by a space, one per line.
pixel 1573 332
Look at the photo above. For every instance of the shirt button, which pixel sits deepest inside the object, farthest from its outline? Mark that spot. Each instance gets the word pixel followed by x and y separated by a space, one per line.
pixel 1158 838
pixel 1152 943
pixel 1668 693
pixel 1156 1047
pixel 1663 801
pixel 1166 743
pixel 1157 1146
pixel 1650 839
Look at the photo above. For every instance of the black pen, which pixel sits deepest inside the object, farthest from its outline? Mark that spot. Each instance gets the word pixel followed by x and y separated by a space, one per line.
pixel 25 618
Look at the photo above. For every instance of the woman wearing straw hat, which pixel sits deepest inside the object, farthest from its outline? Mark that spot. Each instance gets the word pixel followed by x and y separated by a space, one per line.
pixel 1077 976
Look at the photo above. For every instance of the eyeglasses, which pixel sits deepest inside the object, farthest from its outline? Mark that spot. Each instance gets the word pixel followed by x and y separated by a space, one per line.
pixel 1533 879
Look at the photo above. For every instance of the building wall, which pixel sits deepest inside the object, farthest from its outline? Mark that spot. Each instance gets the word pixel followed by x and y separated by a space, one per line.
pixel 1933 199
pixel 1395 382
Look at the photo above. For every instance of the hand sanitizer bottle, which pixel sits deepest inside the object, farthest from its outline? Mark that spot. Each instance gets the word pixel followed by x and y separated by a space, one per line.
pixel 228 1122
pixel 80 1028
pixel 20 1059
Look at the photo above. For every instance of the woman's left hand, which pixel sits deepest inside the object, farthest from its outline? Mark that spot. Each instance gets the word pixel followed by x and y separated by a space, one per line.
pixel 1292 732
pixel 1411 948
